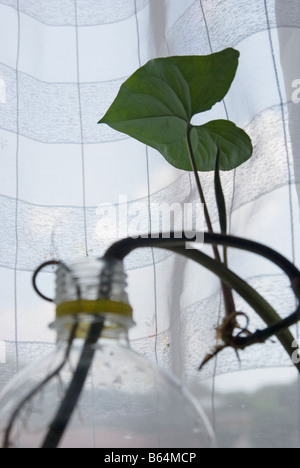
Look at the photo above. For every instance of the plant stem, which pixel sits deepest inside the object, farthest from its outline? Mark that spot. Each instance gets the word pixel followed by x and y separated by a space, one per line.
pixel 265 311
pixel 225 256
pixel 220 200
pixel 227 293
pixel 200 191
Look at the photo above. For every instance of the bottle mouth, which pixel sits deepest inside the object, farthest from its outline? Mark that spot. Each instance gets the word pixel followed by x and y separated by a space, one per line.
pixel 92 289
pixel 92 285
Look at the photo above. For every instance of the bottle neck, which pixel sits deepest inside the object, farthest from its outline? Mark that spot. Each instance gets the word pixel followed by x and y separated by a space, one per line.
pixel 113 327
pixel 91 291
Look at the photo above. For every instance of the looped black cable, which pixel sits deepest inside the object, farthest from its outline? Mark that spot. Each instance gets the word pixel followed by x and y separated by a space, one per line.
pixel 122 248
pixel 37 271
pixel 177 244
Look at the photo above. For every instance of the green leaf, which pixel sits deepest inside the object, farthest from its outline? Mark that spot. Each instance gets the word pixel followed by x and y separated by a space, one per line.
pixel 156 104
pixel 220 199
pixel 235 145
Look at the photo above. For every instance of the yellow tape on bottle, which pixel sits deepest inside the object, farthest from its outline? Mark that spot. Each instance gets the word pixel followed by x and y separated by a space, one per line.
pixel 98 307
pixel 93 308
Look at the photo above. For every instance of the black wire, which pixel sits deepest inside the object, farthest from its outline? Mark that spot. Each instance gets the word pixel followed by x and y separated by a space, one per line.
pixel 34 278
pixel 124 247
pixel 44 265
pixel 260 249
pixel 176 243
pixel 70 400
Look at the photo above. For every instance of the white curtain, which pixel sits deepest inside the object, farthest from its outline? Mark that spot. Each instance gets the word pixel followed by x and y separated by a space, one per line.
pixel 61 65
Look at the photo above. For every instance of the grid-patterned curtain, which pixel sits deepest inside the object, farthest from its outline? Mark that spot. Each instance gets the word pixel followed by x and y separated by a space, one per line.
pixel 61 65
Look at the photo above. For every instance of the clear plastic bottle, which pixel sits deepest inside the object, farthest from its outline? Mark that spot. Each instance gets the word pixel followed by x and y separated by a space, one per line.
pixel 124 402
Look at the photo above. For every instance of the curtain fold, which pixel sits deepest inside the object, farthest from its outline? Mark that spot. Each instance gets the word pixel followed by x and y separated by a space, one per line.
pixel 64 178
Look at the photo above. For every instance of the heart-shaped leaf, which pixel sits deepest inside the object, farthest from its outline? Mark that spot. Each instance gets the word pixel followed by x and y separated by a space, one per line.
pixel 156 104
